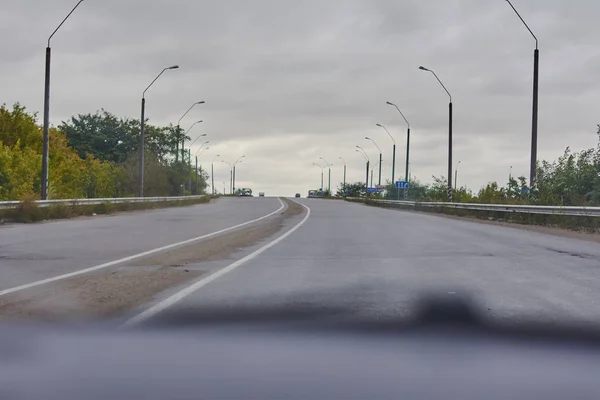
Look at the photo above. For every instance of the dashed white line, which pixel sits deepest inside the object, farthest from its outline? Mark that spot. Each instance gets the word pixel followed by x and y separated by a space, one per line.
pixel 133 257
pixel 157 308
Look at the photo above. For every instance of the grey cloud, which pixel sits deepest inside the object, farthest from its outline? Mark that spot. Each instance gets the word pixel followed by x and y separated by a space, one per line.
pixel 287 82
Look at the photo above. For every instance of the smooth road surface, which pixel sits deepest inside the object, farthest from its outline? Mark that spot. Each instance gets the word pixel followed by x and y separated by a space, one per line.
pixel 377 262
pixel 33 252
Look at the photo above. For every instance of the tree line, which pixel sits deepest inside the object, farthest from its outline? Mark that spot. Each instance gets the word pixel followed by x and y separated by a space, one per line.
pixel 91 156
pixel 571 180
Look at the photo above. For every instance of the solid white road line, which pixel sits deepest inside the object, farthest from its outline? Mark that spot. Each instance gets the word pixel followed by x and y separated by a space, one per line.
pixel 157 308
pixel 135 256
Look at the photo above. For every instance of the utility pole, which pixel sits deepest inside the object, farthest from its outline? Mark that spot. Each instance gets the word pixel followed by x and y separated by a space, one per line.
pixel 197 191
pixel 46 129
pixel 367 187
pixel 234 179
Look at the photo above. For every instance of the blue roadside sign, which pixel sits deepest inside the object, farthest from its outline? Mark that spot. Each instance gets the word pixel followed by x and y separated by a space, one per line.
pixel 372 190
pixel 401 185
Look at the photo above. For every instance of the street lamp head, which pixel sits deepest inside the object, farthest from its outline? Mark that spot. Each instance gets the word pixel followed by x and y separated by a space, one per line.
pixel 423 68
pixel 368 138
pixel 174 67
pixel 379 125
pixel 390 103
pixel 204 134
pixel 200 102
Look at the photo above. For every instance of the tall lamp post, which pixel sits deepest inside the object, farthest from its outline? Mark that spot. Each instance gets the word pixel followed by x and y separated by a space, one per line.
pixel 456 175
pixel 329 179
pixel 230 176
pixel 406 178
pixel 179 128
pixel 449 133
pixel 534 114
pixel 380 158
pixel 190 159
pixel 212 173
pixel 239 160
pixel 368 160
pixel 393 153
pixel 46 134
pixel 183 139
pixel 322 168
pixel 142 133
pixel 198 154
pixel 344 161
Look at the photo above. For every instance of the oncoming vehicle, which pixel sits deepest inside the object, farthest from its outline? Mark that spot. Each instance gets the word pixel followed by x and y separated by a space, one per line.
pixel 297 194
pixel 261 194
pixel 244 192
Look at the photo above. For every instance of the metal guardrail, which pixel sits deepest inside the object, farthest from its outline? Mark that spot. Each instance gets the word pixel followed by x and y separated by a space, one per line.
pixel 7 205
pixel 526 209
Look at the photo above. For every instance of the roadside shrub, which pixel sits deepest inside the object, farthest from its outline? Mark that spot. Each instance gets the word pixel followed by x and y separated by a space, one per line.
pixel 103 208
pixel 59 211
pixel 27 211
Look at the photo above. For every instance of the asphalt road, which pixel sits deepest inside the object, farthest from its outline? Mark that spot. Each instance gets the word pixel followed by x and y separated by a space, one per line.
pixel 29 253
pixel 378 262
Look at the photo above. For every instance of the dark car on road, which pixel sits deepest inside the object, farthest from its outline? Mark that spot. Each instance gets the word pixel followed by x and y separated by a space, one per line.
pixel 297 194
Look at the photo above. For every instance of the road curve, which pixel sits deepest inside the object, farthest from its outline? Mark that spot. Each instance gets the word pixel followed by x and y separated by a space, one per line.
pixel 378 261
pixel 34 252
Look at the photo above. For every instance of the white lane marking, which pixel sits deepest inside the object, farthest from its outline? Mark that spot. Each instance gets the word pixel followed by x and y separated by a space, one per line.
pixel 157 308
pixel 133 257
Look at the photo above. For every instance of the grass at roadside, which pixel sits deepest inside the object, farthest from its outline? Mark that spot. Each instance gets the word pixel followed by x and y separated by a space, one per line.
pixel 28 211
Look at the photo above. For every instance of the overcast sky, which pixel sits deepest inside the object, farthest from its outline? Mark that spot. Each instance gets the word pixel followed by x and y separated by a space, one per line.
pixel 288 82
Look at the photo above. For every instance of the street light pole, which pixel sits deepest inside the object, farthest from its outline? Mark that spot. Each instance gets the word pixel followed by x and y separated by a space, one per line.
pixel 380 159
pixel 230 176
pixel 183 139
pixel 322 168
pixel 179 129
pixel 142 133
pixel 449 133
pixel 190 155
pixel 329 181
pixel 456 175
pixel 212 173
pixel 239 160
pixel 534 113
pixel 406 174
pixel 198 154
pixel 393 153
pixel 344 161
pixel 46 131
pixel 364 154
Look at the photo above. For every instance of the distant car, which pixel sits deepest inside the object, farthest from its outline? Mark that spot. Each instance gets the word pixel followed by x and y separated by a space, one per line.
pixel 297 194
pixel 261 194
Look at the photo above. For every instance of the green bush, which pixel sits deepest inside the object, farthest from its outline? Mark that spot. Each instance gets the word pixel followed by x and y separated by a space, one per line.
pixel 28 211
pixel 59 211
pixel 103 208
